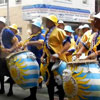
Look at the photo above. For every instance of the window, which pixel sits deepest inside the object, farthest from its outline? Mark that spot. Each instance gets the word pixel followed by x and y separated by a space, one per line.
pixel 2 2
pixel 85 1
pixel 18 1
pixel 63 1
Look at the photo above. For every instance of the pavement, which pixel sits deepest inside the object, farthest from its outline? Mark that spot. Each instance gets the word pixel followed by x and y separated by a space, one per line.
pixel 19 93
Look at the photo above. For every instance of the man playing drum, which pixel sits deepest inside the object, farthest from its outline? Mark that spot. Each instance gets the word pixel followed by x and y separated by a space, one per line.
pixel 96 39
pixel 69 44
pixel 35 45
pixel 52 44
pixel 87 40
pixel 8 42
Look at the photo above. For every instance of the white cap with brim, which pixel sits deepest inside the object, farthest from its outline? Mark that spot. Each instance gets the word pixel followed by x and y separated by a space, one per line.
pixel 85 26
pixel 3 20
pixel 80 27
pixel 60 22
pixel 97 15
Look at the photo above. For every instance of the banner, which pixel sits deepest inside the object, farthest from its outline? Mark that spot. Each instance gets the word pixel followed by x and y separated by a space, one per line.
pixel 63 13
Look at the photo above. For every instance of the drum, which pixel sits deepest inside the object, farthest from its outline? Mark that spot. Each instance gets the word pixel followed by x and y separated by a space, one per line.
pixel 24 69
pixel 83 82
pixel 59 67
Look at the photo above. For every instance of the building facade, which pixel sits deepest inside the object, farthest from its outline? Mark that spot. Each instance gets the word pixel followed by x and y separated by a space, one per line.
pixel 67 10
pixel 15 15
pixel 22 11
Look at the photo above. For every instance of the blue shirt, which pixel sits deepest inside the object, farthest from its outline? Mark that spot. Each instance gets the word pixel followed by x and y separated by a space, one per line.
pixel 18 37
pixel 38 53
pixel 75 37
pixel 7 37
pixel 67 39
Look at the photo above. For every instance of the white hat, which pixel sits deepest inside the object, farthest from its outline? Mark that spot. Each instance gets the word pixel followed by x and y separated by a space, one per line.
pixel 80 27
pixel 2 19
pixel 60 22
pixel 85 26
pixel 97 15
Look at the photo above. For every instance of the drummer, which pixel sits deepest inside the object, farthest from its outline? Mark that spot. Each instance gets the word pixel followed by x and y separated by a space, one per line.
pixel 69 43
pixel 35 46
pixel 8 43
pixel 96 39
pixel 86 40
pixel 14 28
pixel 36 43
pixel 52 44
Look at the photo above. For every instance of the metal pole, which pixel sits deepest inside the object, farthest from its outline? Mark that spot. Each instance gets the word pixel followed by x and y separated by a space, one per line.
pixel 8 12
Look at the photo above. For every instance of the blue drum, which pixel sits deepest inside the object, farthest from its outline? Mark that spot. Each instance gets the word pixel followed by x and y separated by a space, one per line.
pixel 24 69
pixel 59 67
pixel 82 82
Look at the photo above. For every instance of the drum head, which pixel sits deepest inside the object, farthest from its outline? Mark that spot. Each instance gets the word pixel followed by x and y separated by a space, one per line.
pixel 15 53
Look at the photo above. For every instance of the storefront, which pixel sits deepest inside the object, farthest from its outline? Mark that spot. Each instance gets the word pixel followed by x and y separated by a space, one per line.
pixel 63 13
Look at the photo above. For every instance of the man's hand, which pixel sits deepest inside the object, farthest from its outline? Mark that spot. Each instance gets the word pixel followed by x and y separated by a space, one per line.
pixel 54 57
pixel 78 54
pixel 7 50
pixel 43 61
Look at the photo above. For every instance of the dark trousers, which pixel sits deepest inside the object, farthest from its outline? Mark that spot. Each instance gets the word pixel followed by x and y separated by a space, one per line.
pixel 33 93
pixel 52 84
pixel 4 72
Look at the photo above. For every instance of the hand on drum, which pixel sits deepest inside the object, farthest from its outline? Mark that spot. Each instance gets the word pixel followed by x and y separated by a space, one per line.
pixel 54 58
pixel 7 50
pixel 43 60
pixel 78 54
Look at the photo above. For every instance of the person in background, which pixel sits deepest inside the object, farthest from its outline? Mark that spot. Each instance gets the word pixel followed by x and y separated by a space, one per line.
pixel 52 44
pixel 14 28
pixel 79 33
pixel 96 39
pixel 61 24
pixel 82 30
pixel 69 43
pixel 87 40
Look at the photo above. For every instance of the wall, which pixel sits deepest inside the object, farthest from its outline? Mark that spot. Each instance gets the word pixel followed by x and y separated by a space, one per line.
pixel 15 13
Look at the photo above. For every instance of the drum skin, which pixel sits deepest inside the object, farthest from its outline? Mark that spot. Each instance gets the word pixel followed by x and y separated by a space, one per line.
pixel 84 83
pixel 62 66
pixel 24 69
pixel 57 71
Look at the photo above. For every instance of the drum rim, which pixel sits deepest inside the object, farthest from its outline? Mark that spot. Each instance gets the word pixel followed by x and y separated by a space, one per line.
pixel 12 54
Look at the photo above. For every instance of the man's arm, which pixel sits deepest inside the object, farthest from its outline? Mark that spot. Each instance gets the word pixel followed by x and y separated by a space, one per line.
pixel 35 43
pixel 15 44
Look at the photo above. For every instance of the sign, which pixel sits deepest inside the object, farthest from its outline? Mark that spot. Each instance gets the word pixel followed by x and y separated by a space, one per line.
pixel 63 13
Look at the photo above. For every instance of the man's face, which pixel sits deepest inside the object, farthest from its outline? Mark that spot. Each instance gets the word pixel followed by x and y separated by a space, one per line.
pixel 97 23
pixel 68 33
pixel 85 30
pixel 61 26
pixel 49 23
pixel 35 29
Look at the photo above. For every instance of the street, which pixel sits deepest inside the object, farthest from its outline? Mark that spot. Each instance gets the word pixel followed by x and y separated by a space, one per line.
pixel 19 93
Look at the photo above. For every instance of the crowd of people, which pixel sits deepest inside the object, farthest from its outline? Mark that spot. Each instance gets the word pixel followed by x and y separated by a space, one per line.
pixel 48 38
